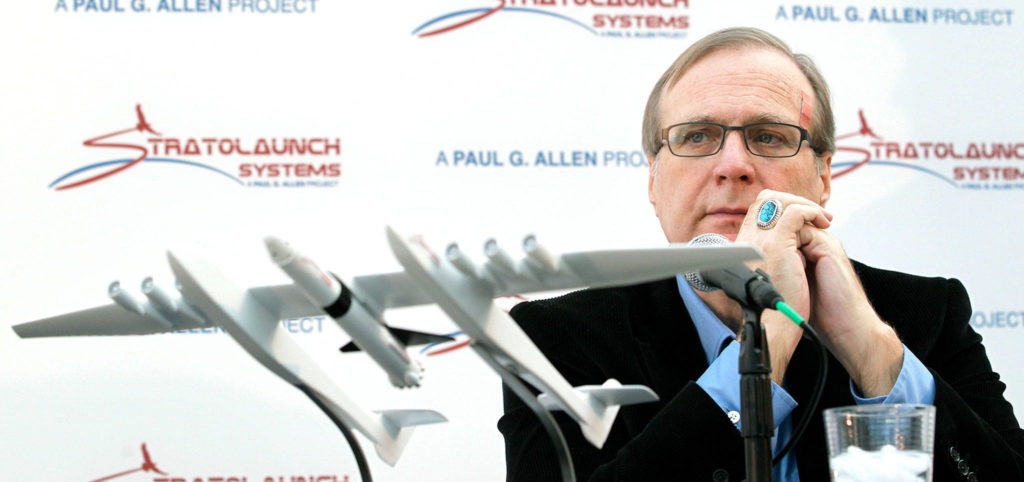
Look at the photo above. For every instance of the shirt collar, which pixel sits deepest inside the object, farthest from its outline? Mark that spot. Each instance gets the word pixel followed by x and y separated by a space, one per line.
pixel 712 332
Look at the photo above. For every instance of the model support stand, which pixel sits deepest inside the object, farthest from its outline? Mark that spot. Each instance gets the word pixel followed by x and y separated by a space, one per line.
pixel 546 419
pixel 756 398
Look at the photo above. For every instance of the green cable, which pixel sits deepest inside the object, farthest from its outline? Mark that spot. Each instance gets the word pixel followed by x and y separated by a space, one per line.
pixel 786 310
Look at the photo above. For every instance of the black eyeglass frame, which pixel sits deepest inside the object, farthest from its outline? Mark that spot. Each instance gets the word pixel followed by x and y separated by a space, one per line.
pixel 804 136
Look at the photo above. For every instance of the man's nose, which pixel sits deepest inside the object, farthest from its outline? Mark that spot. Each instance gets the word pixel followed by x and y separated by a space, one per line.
pixel 735 162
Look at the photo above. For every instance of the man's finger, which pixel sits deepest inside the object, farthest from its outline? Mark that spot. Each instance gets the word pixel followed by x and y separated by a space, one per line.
pixel 794 216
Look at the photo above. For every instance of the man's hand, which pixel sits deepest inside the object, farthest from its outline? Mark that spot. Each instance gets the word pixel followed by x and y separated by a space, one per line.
pixel 868 348
pixel 812 273
pixel 785 263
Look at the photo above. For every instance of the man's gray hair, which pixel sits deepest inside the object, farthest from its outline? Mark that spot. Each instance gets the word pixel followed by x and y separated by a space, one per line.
pixel 823 127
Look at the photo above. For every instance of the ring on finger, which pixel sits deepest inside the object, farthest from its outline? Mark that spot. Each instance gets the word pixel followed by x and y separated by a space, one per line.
pixel 769 213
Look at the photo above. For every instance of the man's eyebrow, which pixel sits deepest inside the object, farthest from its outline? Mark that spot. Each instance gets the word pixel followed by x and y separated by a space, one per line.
pixel 704 118
pixel 768 118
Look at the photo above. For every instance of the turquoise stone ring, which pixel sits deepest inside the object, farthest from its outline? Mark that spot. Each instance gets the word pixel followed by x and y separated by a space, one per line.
pixel 769 213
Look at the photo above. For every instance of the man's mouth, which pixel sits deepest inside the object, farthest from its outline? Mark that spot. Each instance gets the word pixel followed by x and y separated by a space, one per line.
pixel 740 212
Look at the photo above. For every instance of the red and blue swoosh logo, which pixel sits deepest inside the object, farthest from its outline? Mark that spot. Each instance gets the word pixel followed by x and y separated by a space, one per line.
pixel 463 18
pixel 842 168
pixel 72 179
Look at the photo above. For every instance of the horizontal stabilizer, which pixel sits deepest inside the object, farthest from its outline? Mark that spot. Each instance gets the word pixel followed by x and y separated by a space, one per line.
pixel 606 395
pixel 624 395
pixel 411 417
pixel 399 424
pixel 605 400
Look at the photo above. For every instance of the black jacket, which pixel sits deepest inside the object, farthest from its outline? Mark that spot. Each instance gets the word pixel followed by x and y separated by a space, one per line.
pixel 642 334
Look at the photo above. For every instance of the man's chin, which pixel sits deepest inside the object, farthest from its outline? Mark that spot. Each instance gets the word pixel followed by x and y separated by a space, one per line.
pixel 726 227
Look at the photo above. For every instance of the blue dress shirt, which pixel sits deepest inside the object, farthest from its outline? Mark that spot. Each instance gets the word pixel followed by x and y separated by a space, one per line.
pixel 721 380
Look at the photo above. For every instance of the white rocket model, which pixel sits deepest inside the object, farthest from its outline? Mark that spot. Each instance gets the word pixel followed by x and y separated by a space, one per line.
pixel 367 331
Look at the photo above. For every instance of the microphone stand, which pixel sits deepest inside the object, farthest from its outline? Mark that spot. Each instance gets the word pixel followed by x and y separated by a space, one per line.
pixel 755 397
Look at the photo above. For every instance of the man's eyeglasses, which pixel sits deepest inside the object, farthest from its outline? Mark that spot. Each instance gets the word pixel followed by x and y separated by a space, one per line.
pixel 765 139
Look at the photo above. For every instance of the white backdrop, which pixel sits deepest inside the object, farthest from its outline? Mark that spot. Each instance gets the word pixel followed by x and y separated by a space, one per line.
pixel 546 78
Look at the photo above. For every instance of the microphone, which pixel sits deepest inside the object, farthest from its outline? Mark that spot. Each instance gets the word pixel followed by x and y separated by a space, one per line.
pixel 748 287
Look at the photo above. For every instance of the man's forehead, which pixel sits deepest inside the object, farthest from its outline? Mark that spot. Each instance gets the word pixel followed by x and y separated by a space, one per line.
pixel 748 85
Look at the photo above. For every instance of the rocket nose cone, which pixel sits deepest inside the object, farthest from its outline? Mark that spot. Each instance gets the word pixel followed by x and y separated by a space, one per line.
pixel 279 250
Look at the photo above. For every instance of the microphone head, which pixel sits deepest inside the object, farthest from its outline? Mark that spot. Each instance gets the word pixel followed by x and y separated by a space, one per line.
pixel 693 277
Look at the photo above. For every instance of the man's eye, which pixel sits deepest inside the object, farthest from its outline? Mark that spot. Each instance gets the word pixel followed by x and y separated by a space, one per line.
pixel 696 137
pixel 767 139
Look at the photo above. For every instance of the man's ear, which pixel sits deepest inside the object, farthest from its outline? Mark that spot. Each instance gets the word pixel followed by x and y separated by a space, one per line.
pixel 826 178
pixel 650 182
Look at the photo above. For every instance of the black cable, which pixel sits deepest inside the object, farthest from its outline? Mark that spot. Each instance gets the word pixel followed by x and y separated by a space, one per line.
pixel 550 426
pixel 357 451
pixel 819 388
pixel 522 390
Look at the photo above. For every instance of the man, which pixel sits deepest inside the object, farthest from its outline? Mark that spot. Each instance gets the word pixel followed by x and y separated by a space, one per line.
pixel 738 129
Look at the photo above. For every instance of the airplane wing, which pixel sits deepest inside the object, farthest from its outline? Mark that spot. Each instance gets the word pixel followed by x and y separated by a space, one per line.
pixel 109 319
pixel 377 291
pixel 389 290
pixel 537 271
pixel 540 270
pixel 627 266
pixel 286 301
pixel 147 316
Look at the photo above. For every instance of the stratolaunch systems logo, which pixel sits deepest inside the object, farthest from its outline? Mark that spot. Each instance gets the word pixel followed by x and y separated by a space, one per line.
pixel 977 165
pixel 607 18
pixel 261 162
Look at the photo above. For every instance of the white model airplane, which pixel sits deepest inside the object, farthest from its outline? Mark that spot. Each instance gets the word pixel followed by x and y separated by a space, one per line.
pixel 252 318
pixel 464 291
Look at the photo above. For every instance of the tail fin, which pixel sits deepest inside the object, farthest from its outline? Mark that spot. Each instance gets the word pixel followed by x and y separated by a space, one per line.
pixel 399 424
pixel 606 400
